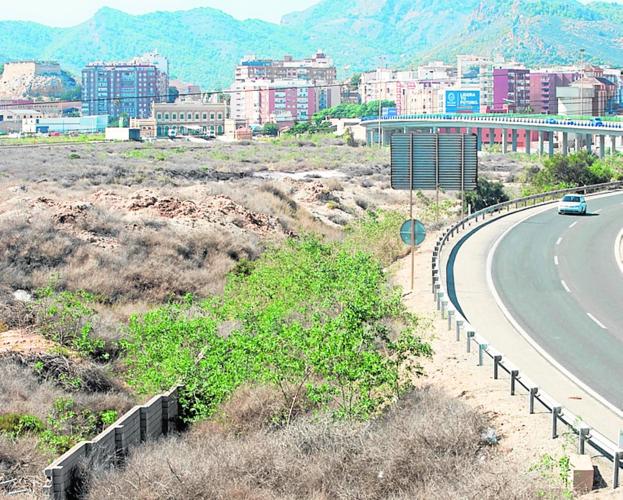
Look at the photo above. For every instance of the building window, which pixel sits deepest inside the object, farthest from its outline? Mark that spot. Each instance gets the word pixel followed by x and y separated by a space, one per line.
pixel 211 116
pixel 159 116
pixel 166 116
pixel 220 116
pixel 196 116
pixel 205 116
pixel 174 116
pixel 220 130
pixel 182 117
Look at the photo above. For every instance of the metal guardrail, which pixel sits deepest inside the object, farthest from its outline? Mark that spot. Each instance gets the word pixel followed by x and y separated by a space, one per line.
pixel 505 119
pixel 585 434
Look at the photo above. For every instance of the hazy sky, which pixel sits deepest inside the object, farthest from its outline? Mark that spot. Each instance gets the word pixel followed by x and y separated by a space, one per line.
pixel 72 12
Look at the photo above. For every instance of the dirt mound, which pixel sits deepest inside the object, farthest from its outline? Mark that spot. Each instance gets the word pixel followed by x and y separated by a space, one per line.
pixel 23 342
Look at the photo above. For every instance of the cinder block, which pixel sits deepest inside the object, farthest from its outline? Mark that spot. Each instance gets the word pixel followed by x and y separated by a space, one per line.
pixel 582 473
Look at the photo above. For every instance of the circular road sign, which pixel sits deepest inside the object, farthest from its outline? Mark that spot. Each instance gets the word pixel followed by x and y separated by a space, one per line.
pixel 406 232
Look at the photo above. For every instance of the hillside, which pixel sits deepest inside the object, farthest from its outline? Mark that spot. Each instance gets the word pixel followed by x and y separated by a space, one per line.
pixel 205 44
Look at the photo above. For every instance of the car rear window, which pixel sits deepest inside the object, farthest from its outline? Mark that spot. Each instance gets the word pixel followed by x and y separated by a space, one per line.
pixel 575 199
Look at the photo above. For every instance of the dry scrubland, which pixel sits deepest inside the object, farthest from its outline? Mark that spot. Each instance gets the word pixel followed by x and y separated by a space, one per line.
pixel 91 234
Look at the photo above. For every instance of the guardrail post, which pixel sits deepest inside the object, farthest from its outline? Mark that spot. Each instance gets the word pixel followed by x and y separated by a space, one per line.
pixel 583 433
pixel 617 459
pixel 444 307
pixel 533 392
pixel 481 350
pixel 450 314
pixel 459 324
pixel 514 376
pixel 436 288
pixel 470 336
pixel 497 359
pixel 439 297
pixel 556 411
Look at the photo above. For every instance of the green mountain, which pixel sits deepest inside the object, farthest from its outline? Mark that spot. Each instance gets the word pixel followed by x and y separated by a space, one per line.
pixel 204 45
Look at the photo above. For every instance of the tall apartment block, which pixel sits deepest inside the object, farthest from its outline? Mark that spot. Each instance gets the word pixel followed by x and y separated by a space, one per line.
pixel 283 91
pixel 511 89
pixel 120 88
pixel 318 68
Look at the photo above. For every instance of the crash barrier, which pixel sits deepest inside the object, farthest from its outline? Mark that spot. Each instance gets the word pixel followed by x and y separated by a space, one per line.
pixel 160 416
pixel 559 414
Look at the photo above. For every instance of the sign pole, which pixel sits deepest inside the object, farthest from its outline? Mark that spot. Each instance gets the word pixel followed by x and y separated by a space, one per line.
pixel 462 175
pixel 411 210
pixel 437 177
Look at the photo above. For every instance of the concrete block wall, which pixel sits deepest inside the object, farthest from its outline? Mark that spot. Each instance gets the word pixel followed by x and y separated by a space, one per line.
pixel 110 448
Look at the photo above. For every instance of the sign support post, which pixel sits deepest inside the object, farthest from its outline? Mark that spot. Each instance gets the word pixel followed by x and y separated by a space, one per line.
pixel 411 210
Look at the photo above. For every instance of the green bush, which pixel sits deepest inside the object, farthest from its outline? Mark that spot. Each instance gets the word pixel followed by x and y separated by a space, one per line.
pixel 67 318
pixel 313 319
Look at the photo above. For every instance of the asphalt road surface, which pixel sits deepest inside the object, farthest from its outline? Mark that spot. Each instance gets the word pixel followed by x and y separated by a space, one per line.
pixel 558 277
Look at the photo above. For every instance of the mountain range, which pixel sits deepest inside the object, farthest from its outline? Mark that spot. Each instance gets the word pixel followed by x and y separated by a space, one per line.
pixel 204 45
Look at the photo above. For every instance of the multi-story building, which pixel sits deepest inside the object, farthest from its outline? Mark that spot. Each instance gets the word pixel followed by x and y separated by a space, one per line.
pixel 543 86
pixel 283 92
pixel 162 64
pixel 437 70
pixel 591 95
pixel 190 118
pixel 120 88
pixel 511 89
pixel 318 68
pixel 475 72
pixel 383 84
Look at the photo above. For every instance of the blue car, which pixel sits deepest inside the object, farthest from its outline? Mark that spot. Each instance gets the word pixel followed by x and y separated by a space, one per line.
pixel 572 204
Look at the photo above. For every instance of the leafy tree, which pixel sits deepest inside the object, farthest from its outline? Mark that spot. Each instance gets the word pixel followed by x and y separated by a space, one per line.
pixel 270 129
pixel 487 193
pixel 577 169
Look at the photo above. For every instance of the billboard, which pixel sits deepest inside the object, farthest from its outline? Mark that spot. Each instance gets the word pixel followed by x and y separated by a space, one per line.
pixel 389 113
pixel 462 101
pixel 431 161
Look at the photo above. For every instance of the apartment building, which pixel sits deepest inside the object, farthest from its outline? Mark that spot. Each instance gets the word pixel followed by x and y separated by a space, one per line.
pixel 190 118
pixel 475 72
pixel 318 68
pixel 511 89
pixel 120 88
pixel 543 86
pixel 283 92
pixel 161 63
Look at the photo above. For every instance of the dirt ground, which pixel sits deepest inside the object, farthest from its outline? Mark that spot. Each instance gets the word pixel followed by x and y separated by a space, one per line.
pixel 523 438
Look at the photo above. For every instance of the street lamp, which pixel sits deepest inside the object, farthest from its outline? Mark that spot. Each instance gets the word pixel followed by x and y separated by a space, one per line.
pixel 582 82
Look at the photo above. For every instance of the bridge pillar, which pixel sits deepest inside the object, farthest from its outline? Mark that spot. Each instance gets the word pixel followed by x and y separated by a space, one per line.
pixel 602 146
pixel 550 143
pixel 589 143
pixel 479 139
pixel 528 141
pixel 514 140
pixel 491 136
pixel 387 137
pixel 504 141
pixel 541 147
pixel 613 144
pixel 565 143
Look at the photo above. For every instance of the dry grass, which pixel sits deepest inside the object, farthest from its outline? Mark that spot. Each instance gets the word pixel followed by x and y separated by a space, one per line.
pixel 427 447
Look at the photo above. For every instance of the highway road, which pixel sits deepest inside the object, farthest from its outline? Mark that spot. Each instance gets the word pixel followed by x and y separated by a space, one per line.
pixel 559 279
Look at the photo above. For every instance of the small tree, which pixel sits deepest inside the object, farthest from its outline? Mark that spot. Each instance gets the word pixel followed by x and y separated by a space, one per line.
pixel 271 129
pixel 487 193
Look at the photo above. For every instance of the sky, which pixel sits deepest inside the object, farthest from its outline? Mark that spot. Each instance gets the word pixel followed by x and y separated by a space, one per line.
pixel 72 12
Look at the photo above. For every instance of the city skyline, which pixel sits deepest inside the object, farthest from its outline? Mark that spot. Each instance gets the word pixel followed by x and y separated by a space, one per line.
pixel 74 12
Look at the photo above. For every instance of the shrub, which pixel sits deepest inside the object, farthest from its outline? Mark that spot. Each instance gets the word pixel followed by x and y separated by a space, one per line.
pixel 313 321
pixel 487 193
pixel 378 232
pixel 426 446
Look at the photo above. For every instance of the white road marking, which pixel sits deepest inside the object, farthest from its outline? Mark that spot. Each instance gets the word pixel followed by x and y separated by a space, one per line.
pixel 564 285
pixel 597 211
pixel 599 323
pixel 559 241
pixel 496 296
pixel 556 259
pixel 618 250
pixel 573 225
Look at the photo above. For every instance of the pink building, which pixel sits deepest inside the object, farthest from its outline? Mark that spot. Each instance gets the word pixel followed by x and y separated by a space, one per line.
pixel 287 105
pixel 511 89
pixel 543 85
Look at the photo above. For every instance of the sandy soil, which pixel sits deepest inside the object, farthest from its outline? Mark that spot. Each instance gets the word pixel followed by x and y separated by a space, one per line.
pixel 523 438
pixel 24 342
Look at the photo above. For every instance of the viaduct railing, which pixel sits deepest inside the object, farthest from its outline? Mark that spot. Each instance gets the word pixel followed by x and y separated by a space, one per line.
pixel 585 434
pixel 148 422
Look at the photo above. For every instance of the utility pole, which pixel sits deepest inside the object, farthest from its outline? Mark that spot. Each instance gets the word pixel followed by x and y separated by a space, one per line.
pixel 582 82
pixel 381 92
